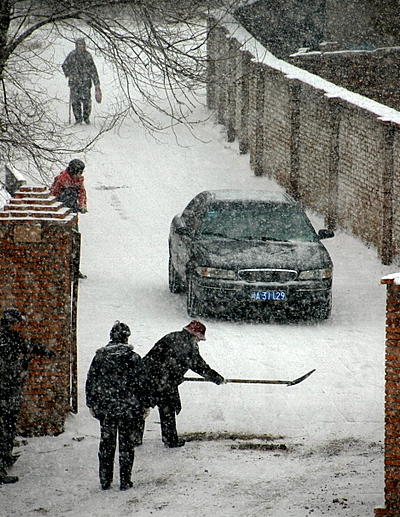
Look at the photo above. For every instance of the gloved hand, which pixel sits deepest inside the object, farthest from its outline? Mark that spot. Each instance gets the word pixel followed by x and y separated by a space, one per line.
pixel 97 94
pixel 49 354
pixel 219 380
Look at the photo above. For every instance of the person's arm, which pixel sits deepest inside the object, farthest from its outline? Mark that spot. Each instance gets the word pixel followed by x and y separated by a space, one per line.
pixel 41 350
pixel 90 387
pixel 82 197
pixel 66 66
pixel 93 72
pixel 94 75
pixel 202 368
pixel 27 348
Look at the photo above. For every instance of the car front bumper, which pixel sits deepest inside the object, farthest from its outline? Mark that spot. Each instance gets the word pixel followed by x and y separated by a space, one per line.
pixel 227 295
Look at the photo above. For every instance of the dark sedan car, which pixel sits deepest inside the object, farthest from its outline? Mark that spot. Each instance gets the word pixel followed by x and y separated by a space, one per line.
pixel 234 251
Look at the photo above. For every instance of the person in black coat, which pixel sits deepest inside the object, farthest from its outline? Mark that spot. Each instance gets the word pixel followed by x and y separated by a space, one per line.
pixel 15 354
pixel 81 72
pixel 163 369
pixel 111 398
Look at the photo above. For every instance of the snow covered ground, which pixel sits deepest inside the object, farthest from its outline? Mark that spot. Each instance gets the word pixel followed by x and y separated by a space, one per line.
pixel 276 451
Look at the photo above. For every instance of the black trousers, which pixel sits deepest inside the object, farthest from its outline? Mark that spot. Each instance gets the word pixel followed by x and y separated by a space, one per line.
pixel 81 103
pixel 169 434
pixel 8 422
pixel 129 430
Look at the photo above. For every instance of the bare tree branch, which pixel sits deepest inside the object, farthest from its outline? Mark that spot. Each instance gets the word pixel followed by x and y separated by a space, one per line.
pixel 156 49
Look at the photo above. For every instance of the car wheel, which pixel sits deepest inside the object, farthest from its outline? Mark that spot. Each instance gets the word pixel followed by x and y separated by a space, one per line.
pixel 322 310
pixel 194 307
pixel 174 281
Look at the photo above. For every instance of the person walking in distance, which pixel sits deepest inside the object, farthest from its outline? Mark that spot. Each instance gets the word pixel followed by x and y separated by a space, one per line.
pixel 163 369
pixel 81 72
pixel 15 355
pixel 111 398
pixel 69 188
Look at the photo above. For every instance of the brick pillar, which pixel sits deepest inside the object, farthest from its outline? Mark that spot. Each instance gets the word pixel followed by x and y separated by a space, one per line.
pixel 242 113
pixel 335 112
pixel 386 250
pixel 295 90
pixel 392 399
pixel 37 276
pixel 233 81
pixel 212 54
pixel 256 136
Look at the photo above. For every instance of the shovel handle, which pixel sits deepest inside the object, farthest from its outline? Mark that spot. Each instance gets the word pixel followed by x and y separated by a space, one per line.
pixel 256 381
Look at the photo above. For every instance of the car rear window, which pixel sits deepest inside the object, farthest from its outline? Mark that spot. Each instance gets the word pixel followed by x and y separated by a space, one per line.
pixel 256 221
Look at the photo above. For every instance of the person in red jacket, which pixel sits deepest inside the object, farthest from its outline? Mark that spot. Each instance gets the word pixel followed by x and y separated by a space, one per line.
pixel 69 187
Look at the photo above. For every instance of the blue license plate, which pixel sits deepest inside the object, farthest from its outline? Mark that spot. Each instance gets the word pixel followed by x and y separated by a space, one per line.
pixel 268 295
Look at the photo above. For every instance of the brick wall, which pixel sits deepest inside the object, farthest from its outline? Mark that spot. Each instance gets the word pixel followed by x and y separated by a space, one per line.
pixel 392 402
pixel 315 128
pixel 395 196
pixel 361 168
pixel 277 127
pixel 336 152
pixel 37 240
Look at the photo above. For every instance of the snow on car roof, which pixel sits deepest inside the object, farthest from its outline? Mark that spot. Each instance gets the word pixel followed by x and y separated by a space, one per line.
pixel 250 195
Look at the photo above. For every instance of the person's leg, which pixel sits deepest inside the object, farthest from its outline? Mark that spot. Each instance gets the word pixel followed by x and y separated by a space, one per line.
pixel 86 105
pixel 108 440
pixel 8 422
pixel 127 441
pixel 7 434
pixel 76 105
pixel 169 433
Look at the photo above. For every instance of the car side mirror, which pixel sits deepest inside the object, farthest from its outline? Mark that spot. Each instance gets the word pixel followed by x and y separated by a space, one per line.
pixel 326 234
pixel 183 230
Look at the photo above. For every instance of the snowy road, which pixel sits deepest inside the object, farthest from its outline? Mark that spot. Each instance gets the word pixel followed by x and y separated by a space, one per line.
pixel 135 187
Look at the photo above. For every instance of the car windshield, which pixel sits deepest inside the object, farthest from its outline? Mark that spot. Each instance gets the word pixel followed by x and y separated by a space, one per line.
pixel 256 221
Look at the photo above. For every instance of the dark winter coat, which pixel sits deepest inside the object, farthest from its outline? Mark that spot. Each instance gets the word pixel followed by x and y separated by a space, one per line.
pixel 80 69
pixel 165 365
pixel 111 380
pixel 15 354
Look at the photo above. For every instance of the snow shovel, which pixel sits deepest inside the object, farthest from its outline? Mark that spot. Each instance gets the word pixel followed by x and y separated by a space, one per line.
pixel 257 381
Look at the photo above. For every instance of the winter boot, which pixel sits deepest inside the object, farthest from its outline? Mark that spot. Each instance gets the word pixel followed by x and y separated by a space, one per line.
pixel 106 474
pixel 6 479
pixel 11 459
pixel 178 442
pixel 125 469
pixel 126 484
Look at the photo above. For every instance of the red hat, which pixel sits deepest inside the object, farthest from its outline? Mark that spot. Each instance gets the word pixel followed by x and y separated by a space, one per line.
pixel 196 329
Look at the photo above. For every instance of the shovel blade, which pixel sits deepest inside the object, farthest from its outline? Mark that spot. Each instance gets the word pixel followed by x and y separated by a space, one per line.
pixel 301 379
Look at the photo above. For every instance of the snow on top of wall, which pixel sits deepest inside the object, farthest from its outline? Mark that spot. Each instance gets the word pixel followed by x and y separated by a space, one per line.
pixel 393 278
pixel 262 55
